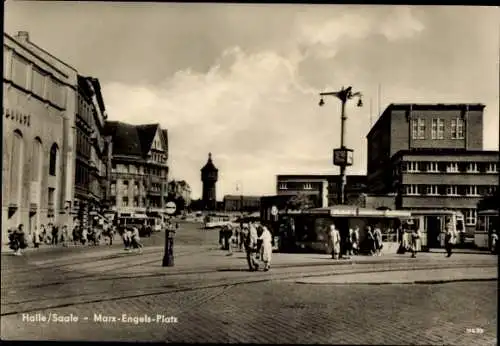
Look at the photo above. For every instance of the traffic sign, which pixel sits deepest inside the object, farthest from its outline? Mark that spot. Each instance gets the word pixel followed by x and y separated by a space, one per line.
pixel 274 210
pixel 170 208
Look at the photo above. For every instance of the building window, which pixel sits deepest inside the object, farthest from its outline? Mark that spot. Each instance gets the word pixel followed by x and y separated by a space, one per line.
pixel 452 167
pixel 412 190
pixel 457 128
pixel 432 190
pixel 412 167
pixel 53 160
pixel 418 128
pixel 113 165
pixel 433 167
pixel 472 190
pixel 492 168
pixel 113 188
pixel 282 186
pixel 51 198
pixel 136 202
pixel 125 201
pixel 470 217
pixel 307 186
pixel 19 71
pixel 38 82
pixel 437 128
pixel 16 168
pixel 136 187
pixel 472 168
pixel 452 190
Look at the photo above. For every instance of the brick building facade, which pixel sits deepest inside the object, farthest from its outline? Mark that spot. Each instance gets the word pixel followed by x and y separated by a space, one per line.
pixel 429 156
pixel 241 203
pixel 39 96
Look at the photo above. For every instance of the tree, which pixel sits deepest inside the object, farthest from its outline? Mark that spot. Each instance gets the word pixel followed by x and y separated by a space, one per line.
pixel 300 201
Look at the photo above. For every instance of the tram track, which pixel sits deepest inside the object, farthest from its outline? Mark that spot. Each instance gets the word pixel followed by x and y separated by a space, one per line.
pixel 225 284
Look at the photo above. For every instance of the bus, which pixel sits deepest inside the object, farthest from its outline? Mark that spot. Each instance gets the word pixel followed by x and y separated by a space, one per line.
pixel 487 224
pixel 141 221
pixel 432 226
pixel 307 230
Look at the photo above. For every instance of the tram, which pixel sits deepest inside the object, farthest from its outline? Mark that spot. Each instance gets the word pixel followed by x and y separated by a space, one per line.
pixel 432 226
pixel 487 224
pixel 215 220
pixel 307 230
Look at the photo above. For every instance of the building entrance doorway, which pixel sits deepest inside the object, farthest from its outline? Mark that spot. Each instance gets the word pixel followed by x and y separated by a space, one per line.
pixel 433 226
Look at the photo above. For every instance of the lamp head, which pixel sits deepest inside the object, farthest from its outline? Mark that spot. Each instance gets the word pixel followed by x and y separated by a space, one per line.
pixel 321 102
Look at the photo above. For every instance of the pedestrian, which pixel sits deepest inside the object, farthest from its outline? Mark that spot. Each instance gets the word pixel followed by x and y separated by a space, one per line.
pixel 84 237
pixel 349 243
pixel 21 236
pixel 370 240
pixel 36 238
pixel 334 241
pixel 64 236
pixel 494 242
pixel 135 239
pixel 55 234
pixel 355 241
pixel 449 240
pixel 377 237
pixel 48 234
pixel 251 248
pixel 267 246
pixel 414 237
pixel 125 238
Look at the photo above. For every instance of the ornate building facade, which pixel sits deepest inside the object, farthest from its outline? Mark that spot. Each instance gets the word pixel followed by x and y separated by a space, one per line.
pixel 39 94
pixel 91 147
pixel 209 177
pixel 137 168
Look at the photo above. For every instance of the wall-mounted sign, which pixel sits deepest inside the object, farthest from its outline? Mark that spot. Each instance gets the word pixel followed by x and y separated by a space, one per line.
pixel 17 116
pixel 343 157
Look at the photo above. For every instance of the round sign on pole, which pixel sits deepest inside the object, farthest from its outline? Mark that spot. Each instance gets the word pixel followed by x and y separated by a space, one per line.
pixel 170 208
pixel 274 210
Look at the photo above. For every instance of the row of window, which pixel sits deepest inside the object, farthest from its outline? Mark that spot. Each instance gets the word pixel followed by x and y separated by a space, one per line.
pixel 83 144
pixel 450 167
pixel 125 187
pixel 158 157
pixel 137 202
pixel 42 84
pixel 137 169
pixel 449 190
pixel 438 128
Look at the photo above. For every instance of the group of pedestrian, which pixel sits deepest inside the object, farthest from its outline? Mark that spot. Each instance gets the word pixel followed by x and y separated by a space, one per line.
pixel 131 238
pixel 409 239
pixel 343 247
pixel 258 242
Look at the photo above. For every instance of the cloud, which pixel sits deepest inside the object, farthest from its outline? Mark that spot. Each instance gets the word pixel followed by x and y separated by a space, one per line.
pixel 256 109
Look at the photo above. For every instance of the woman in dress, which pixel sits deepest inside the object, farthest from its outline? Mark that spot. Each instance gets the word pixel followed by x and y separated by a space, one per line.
pixel 266 251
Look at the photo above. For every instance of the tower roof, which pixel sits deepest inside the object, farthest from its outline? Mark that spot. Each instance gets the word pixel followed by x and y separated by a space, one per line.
pixel 209 166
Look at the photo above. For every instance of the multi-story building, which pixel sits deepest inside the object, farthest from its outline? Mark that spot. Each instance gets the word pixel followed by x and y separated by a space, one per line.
pixel 180 190
pixel 241 203
pixel 429 156
pixel 321 189
pixel 91 158
pixel 138 168
pixel 39 94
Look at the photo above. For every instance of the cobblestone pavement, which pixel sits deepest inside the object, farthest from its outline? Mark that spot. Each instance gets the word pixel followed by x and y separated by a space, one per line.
pixel 276 312
pixel 216 300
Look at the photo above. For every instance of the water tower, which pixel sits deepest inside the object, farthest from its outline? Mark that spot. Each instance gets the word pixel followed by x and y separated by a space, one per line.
pixel 209 176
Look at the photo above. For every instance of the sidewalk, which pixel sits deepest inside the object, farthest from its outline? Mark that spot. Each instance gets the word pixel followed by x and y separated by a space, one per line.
pixel 410 276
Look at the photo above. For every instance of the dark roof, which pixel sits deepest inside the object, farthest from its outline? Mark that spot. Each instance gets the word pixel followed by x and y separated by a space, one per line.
pixel 84 86
pixel 132 140
pixel 209 166
pixel 425 106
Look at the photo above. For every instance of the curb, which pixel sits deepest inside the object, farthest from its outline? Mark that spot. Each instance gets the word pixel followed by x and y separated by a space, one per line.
pixel 416 282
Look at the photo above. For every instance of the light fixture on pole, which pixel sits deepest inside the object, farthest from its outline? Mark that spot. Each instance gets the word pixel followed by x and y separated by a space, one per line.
pixel 342 156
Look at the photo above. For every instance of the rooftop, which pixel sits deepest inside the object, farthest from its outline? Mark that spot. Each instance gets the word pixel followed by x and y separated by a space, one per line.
pixel 133 140
pixel 425 106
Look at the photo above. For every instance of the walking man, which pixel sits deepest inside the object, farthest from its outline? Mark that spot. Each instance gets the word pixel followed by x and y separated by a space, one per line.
pixel 449 240
pixel 334 240
pixel 251 248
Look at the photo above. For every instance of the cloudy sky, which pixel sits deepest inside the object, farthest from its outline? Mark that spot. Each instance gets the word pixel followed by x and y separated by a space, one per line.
pixel 241 81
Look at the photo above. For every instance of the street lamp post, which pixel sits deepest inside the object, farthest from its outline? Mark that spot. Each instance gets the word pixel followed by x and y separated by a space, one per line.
pixel 342 156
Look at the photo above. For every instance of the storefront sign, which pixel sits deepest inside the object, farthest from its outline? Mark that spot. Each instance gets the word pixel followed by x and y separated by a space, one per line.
pixel 17 116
